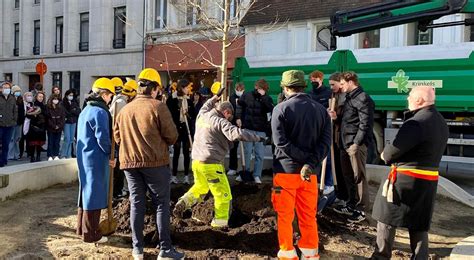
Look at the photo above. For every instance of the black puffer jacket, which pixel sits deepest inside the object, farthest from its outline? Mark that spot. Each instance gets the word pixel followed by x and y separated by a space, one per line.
pixel 254 111
pixel 322 95
pixel 357 118
pixel 72 111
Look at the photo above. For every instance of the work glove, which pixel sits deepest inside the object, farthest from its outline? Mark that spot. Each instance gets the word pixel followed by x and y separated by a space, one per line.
pixel 306 172
pixel 263 139
pixel 352 150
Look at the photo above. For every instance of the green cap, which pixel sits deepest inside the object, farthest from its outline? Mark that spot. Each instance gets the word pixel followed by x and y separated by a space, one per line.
pixel 293 78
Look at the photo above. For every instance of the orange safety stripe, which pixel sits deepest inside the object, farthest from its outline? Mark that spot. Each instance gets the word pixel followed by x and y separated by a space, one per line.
pixel 420 174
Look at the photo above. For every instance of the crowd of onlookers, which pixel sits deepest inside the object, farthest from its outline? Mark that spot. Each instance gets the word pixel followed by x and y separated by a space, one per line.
pixel 30 119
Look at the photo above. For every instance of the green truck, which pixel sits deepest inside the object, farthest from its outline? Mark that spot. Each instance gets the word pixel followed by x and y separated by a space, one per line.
pixel 387 75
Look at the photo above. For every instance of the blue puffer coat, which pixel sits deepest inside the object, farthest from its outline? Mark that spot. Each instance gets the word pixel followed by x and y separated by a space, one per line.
pixel 93 152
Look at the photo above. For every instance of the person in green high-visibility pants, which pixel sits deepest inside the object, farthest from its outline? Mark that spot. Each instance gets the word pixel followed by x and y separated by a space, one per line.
pixel 212 140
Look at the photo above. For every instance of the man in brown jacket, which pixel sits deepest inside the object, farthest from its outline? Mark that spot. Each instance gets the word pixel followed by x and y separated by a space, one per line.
pixel 144 129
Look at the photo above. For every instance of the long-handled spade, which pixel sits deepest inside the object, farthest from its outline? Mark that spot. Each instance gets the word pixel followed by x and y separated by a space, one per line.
pixel 109 225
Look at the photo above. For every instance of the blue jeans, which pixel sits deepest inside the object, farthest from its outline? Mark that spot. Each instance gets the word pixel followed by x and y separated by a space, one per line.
pixel 157 180
pixel 14 151
pixel 69 131
pixel 5 137
pixel 53 144
pixel 259 149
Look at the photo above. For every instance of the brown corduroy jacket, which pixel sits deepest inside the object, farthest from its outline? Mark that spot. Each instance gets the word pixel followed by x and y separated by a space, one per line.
pixel 144 129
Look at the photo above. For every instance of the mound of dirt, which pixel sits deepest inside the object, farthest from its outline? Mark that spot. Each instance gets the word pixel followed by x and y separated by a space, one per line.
pixel 252 222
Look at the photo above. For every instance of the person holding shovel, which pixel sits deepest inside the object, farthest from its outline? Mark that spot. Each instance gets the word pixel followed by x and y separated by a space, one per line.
pixel 301 131
pixel 182 109
pixel 93 152
pixel 214 136
pixel 144 129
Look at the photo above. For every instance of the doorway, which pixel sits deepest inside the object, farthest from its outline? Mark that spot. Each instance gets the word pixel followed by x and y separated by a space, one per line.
pixel 32 80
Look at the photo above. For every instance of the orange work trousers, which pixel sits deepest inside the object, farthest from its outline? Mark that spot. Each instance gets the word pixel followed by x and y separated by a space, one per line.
pixel 290 192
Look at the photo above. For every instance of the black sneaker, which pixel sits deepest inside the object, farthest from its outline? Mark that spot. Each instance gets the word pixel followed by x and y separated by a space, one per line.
pixel 357 216
pixel 346 210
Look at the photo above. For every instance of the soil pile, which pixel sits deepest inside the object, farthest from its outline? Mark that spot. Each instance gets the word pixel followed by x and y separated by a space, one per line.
pixel 252 225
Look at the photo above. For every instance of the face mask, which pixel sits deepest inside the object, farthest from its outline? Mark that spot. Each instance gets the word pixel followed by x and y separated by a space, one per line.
pixel 55 101
pixel 315 84
pixel 17 94
pixel 239 93
pixel 6 91
pixel 29 99
pixel 70 98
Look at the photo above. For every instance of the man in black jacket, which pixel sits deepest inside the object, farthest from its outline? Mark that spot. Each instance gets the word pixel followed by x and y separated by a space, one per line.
pixel 407 198
pixel 301 131
pixel 356 132
pixel 256 108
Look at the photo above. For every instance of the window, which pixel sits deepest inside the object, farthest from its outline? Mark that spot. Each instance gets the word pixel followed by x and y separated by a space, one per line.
pixel 193 13
pixel 16 40
pixel 36 42
pixel 325 36
pixel 17 4
pixel 58 47
pixel 75 80
pixel 120 17
pixel 58 79
pixel 161 13
pixel 84 32
pixel 234 9
pixel 37 2
pixel 370 39
pixel 8 77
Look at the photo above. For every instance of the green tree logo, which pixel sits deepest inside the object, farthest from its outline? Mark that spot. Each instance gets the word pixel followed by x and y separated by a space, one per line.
pixel 402 81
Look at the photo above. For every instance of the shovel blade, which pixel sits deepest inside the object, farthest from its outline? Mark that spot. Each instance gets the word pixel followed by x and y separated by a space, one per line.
pixel 107 227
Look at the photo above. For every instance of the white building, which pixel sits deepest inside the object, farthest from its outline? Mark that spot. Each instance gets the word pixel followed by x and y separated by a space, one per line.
pixel 79 40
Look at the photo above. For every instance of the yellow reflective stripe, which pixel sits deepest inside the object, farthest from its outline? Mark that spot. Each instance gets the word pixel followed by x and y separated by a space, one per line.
pixel 418 171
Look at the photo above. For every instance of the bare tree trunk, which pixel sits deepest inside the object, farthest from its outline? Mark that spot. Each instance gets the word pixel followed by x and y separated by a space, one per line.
pixel 225 41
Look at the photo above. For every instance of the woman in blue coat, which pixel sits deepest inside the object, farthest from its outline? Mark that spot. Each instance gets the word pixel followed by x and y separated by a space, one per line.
pixel 93 153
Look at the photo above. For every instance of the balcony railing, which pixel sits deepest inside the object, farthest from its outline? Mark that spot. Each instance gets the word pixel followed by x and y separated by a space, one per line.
pixel 58 48
pixel 36 50
pixel 118 43
pixel 84 46
pixel 16 52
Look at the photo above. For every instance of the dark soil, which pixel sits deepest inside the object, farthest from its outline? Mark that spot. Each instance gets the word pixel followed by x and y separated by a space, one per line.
pixel 252 225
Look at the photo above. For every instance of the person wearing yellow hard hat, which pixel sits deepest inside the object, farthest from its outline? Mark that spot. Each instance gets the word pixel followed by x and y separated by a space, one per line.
pixel 126 95
pixel 144 129
pixel 93 153
pixel 118 84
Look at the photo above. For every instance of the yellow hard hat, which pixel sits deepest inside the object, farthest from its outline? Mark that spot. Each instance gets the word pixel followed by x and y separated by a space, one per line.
pixel 130 88
pixel 117 82
pixel 151 75
pixel 215 87
pixel 103 83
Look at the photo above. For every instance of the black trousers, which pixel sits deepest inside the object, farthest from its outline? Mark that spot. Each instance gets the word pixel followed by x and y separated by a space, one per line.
pixel 386 237
pixel 182 142
pixel 233 161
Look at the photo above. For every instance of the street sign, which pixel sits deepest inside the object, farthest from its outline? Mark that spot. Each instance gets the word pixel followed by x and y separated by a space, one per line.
pixel 41 68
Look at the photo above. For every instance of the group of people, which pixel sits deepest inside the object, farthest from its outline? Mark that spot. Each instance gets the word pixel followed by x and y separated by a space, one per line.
pixel 31 119
pixel 300 129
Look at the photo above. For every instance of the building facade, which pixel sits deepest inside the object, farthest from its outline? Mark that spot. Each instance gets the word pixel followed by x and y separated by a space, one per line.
pixel 295 42
pixel 79 40
pixel 181 43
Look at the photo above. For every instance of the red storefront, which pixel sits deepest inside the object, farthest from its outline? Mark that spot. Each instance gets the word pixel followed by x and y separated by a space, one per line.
pixel 188 59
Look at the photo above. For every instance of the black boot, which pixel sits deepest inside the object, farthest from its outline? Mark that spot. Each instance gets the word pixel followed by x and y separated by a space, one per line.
pixel 32 158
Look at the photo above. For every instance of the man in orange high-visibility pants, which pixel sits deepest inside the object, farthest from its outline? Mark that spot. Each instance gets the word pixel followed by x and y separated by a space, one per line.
pixel 302 135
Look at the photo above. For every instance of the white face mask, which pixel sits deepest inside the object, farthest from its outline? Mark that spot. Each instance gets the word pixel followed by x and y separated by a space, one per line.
pixel 239 93
pixel 29 99
pixel 70 98
pixel 7 91
pixel 55 101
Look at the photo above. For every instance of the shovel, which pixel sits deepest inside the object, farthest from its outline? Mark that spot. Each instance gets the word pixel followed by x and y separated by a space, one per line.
pixel 244 174
pixel 332 103
pixel 109 225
